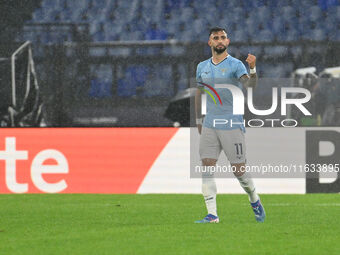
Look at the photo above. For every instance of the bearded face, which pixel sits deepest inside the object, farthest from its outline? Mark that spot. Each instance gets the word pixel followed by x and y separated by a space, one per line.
pixel 220 49
pixel 219 42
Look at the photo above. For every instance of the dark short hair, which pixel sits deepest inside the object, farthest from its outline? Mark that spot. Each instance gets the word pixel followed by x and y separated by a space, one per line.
pixel 216 29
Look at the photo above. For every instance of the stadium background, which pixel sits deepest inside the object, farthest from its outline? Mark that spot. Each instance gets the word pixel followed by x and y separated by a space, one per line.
pixel 121 63
pixel 114 61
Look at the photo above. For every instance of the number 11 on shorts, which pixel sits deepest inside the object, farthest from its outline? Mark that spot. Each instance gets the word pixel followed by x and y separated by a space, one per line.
pixel 238 148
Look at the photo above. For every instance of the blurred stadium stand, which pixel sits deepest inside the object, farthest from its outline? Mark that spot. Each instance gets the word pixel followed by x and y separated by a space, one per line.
pixel 118 58
pixel 258 20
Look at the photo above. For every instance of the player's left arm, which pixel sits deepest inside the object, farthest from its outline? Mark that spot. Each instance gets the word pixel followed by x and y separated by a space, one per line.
pixel 251 79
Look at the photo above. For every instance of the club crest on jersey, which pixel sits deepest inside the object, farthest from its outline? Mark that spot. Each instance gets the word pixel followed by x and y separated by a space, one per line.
pixel 223 70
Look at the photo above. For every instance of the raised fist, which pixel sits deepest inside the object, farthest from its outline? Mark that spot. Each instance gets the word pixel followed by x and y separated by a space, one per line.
pixel 251 60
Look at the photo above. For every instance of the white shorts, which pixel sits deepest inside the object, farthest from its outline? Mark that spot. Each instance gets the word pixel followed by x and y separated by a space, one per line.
pixel 212 141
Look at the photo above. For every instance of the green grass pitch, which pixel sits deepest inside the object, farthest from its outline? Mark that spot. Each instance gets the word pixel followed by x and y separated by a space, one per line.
pixel 163 224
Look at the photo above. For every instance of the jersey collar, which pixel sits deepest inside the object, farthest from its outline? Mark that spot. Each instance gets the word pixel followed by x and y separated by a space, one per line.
pixel 220 62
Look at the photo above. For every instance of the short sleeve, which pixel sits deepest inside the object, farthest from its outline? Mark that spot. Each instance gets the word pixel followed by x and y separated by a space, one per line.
pixel 198 76
pixel 240 70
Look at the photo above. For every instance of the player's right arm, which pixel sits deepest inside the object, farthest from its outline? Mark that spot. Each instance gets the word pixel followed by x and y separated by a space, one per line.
pixel 251 79
pixel 199 117
pixel 198 112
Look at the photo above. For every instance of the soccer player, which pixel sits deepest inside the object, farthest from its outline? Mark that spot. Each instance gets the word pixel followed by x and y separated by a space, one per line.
pixel 222 68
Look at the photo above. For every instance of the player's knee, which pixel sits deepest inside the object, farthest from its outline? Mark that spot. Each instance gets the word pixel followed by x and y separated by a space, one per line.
pixel 209 161
pixel 238 169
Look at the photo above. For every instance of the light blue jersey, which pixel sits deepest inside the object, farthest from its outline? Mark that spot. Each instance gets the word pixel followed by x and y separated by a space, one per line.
pixel 226 72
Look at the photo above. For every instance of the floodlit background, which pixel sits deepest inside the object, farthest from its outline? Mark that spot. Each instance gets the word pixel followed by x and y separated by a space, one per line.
pixel 119 63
